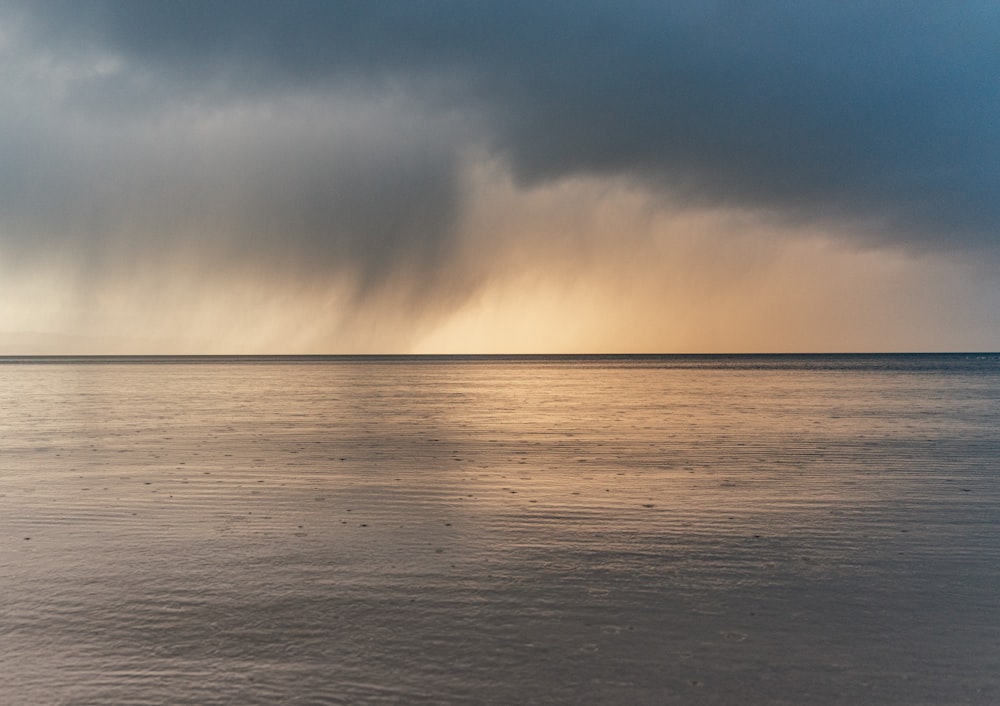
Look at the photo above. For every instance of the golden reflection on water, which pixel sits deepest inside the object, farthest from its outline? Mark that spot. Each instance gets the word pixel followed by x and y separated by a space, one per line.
pixel 468 530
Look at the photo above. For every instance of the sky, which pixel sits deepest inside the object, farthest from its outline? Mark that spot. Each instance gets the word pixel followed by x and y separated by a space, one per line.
pixel 247 176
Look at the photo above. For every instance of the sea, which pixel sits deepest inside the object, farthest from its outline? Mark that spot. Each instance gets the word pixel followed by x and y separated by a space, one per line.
pixel 800 529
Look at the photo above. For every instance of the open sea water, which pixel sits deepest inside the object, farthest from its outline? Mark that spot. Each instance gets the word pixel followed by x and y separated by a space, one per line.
pixel 500 530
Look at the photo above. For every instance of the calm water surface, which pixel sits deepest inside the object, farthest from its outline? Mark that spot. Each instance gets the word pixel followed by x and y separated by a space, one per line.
pixel 649 530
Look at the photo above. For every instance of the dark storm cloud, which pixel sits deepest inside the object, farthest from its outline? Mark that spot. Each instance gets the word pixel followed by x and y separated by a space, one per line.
pixel 880 111
pixel 309 188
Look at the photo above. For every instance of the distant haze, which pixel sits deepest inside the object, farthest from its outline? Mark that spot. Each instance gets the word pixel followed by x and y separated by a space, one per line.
pixel 311 177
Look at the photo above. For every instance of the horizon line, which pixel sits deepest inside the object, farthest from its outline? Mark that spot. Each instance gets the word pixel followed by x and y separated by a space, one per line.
pixel 10 357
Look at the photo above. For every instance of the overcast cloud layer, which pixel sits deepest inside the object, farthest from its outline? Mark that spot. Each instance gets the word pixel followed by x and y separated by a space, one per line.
pixel 335 141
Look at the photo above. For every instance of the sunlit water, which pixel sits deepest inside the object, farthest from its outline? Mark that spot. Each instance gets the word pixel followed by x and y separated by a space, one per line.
pixel 769 530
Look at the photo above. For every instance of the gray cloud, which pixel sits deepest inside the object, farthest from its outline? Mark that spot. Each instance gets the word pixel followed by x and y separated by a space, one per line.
pixel 329 137
pixel 875 110
pixel 311 185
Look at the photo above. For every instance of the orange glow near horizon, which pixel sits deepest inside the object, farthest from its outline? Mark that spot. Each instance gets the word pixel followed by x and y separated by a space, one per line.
pixel 577 266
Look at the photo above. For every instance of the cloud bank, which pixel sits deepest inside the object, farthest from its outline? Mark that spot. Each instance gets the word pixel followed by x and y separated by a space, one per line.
pixel 356 169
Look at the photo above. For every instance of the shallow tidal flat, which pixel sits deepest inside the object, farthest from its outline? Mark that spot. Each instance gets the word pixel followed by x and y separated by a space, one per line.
pixel 725 530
